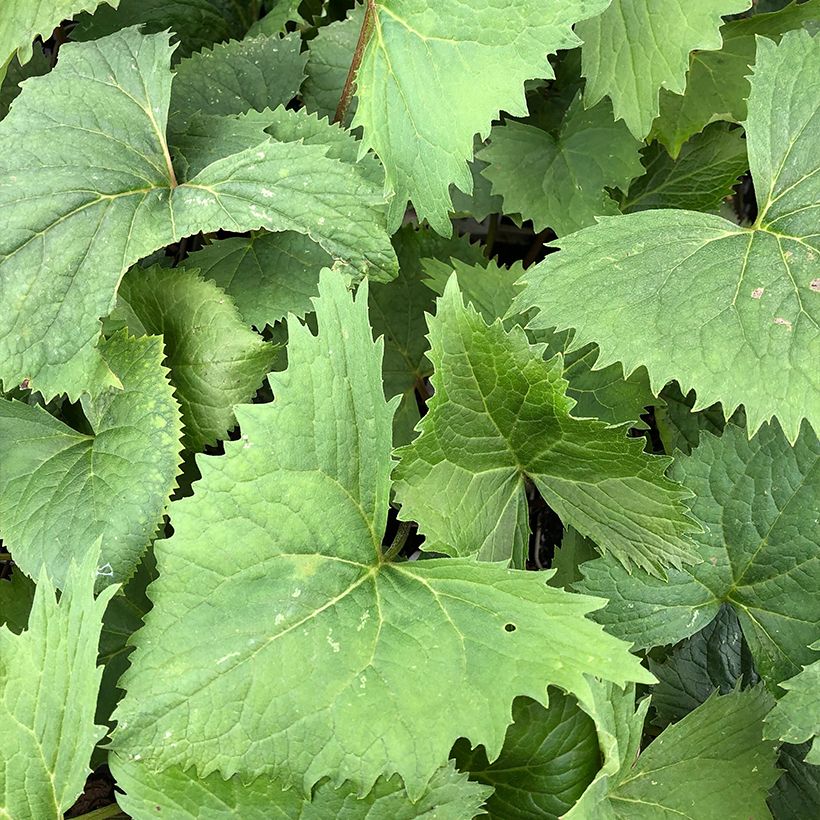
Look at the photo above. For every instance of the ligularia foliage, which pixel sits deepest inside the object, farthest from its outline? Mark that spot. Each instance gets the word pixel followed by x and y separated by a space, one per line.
pixel 409 409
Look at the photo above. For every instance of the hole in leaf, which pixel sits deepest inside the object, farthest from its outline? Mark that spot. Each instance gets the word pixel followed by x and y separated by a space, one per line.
pixel 510 627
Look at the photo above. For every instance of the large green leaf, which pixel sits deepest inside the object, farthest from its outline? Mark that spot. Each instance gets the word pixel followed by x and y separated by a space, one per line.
pixel 418 102
pixel 729 311
pixel 559 180
pixel 712 765
pixel 556 751
pixel 758 501
pixel 636 47
pixel 796 717
pixel 48 690
pixel 79 210
pixel 194 23
pixel 214 360
pixel 239 76
pixel 304 655
pixel 717 85
pixel 61 489
pixel 184 796
pixel 499 416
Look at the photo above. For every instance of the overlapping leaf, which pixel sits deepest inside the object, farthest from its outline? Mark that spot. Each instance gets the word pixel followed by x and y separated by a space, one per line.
pixel 79 210
pixel 499 416
pixel 48 691
pixel 636 47
pixel 417 100
pixel 61 490
pixel 728 311
pixel 758 500
pixel 295 656
pixel 184 796
pixel 560 180
pixel 214 360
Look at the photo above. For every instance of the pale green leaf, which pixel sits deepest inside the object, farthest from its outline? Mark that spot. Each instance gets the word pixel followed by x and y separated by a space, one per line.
pixel 717 85
pixel 728 311
pixel 500 416
pixel 549 758
pixel 215 360
pixel 111 198
pixel 61 490
pixel 712 765
pixel 796 717
pixel 196 24
pixel 279 14
pixel 636 47
pixel 303 655
pixel 48 690
pixel 184 796
pixel 559 180
pixel 397 312
pixel 418 102
pixel 268 274
pixel 238 76
pixel 758 500
pixel 700 178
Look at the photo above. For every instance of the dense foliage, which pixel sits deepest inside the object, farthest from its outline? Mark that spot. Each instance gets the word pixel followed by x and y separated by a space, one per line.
pixel 408 409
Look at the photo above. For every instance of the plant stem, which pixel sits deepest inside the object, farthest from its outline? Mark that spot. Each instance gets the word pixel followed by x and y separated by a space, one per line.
pixel 5 556
pixel 398 542
pixel 350 80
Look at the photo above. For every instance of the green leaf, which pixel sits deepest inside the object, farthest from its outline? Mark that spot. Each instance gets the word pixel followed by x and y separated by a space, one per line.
pixel 418 103
pixel 757 498
pixel 196 23
pixel 280 12
pixel 397 312
pixel 716 658
pixel 636 47
pixel 239 76
pixel 717 85
pixel 728 311
pixel 310 609
pixel 796 795
pixel 184 796
pixel 112 199
pixel 214 360
pixel 481 203
pixel 48 689
pixel 329 57
pixel 16 74
pixel 559 180
pixel 268 274
pixel 713 764
pixel 16 596
pixel 61 490
pixel 700 178
pixel 500 416
pixel 556 748
pixel 796 717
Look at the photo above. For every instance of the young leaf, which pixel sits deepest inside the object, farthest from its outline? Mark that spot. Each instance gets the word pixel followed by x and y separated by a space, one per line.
pixel 214 360
pixel 61 490
pixel 556 747
pixel 279 14
pixel 729 311
pixel 239 76
pixel 48 690
pixel 757 500
pixel 699 179
pixel 500 415
pixel 268 274
pixel 184 796
pixel 303 655
pixel 796 717
pixel 196 24
pixel 559 180
pixel 705 766
pixel 79 210
pixel 636 47
pixel 417 102
pixel 717 85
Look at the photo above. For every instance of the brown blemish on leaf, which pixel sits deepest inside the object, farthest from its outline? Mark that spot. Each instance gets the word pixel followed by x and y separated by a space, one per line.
pixel 815 285
pixel 785 322
pixel 757 293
